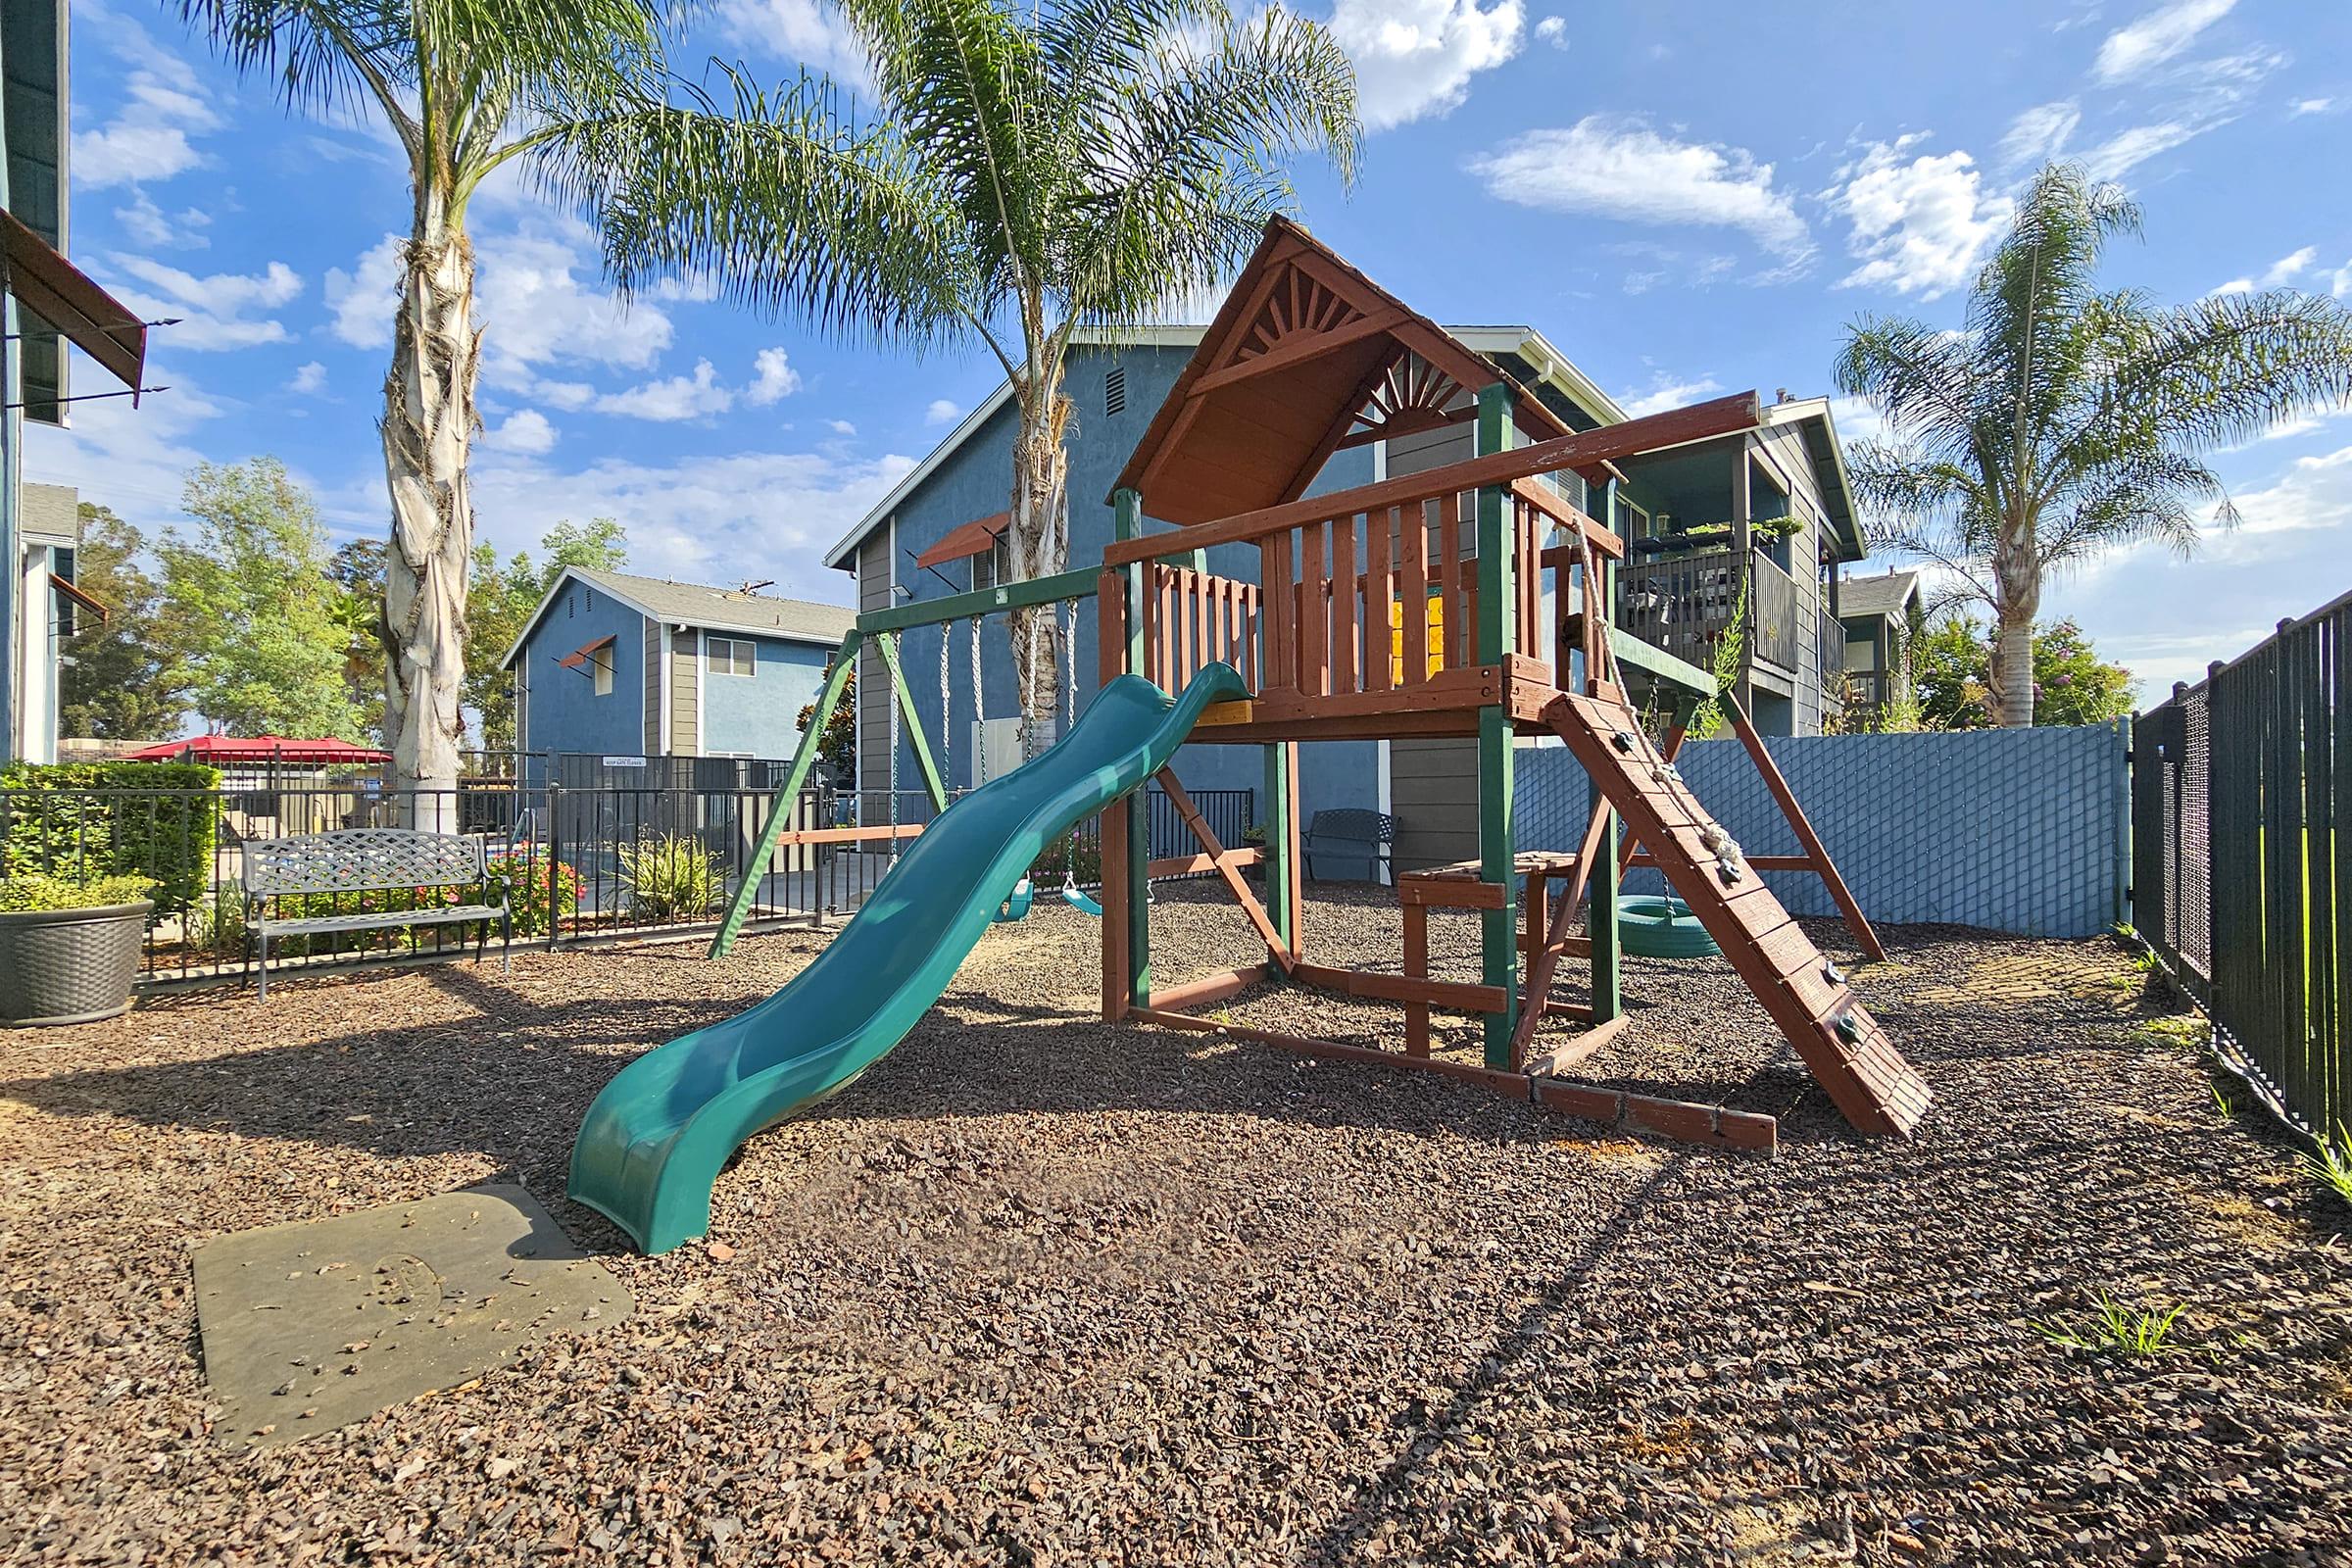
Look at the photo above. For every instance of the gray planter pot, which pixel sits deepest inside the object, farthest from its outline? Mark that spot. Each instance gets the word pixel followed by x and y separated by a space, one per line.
pixel 69 966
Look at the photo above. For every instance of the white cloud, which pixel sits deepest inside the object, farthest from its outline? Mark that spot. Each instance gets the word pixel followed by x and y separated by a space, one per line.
pixel 526 433
pixel 1553 30
pixel 211 309
pixel 1619 167
pixel 942 411
pixel 2315 492
pixel 132 460
pixel 2311 106
pixel 360 302
pixel 1666 393
pixel 150 225
pixel 805 31
pixel 2039 133
pixel 1920 224
pixel 310 379
pixel 149 137
pixel 775 380
pixel 534 309
pixel 2156 37
pixel 841 427
pixel 2279 274
pixel 694 519
pixel 570 395
pixel 1416 57
pixel 672 399
pixel 1857 420
pixel 2199 96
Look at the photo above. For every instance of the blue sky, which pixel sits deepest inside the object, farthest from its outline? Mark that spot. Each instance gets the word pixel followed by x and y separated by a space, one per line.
pixel 1686 198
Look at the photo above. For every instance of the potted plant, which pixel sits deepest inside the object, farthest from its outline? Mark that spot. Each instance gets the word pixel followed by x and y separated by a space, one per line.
pixel 70 947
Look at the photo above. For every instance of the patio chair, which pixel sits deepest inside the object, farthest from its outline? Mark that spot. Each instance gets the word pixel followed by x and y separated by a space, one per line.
pixel 1354 834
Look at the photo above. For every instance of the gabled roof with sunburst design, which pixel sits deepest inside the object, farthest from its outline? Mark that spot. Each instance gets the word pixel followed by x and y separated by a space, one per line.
pixel 1308 356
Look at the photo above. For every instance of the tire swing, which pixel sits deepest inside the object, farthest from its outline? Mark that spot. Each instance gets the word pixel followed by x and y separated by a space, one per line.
pixel 1652 926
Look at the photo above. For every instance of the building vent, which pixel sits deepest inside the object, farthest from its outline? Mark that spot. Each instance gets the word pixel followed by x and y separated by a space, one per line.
pixel 568 605
pixel 1115 390
pixel 591 599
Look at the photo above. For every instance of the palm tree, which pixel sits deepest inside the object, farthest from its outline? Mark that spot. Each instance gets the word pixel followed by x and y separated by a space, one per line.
pixel 466 86
pixel 1029 169
pixel 2063 420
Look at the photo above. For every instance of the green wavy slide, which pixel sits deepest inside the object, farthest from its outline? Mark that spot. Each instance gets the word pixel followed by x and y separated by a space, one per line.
pixel 654 1140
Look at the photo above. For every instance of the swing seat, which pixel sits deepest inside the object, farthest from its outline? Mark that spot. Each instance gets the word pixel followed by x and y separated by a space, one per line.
pixel 1077 898
pixel 1016 907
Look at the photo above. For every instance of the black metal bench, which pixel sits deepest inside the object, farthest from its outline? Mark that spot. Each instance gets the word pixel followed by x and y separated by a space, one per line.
pixel 361 860
pixel 1353 833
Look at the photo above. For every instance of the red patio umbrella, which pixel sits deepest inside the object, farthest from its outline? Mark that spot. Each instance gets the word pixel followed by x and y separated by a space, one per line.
pixel 225 749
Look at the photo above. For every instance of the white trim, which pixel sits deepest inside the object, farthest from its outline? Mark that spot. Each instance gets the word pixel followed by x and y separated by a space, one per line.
pixel 1550 364
pixel 663 719
pixel 622 597
pixel 701 694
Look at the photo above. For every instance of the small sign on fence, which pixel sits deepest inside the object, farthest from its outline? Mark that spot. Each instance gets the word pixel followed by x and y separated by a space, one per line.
pixel 624 761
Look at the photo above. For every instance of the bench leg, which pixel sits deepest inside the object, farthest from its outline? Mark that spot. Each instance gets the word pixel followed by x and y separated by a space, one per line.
pixel 261 943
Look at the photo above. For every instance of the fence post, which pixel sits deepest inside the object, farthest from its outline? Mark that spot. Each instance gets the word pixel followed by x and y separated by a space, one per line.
pixel 554 862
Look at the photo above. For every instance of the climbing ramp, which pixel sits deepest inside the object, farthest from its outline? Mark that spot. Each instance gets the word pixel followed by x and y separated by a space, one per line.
pixel 1834 1034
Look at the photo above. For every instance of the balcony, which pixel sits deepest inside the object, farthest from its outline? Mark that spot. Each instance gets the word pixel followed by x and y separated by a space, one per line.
pixel 1684 604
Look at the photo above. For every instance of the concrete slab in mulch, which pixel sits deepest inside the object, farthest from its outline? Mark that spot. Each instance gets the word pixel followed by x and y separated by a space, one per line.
pixel 311 1326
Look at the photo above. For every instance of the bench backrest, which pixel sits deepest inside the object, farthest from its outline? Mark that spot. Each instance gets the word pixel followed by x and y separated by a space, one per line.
pixel 1355 823
pixel 360 858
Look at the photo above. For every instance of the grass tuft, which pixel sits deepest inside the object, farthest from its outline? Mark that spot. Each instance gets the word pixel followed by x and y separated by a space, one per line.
pixel 2332 1164
pixel 2117 1330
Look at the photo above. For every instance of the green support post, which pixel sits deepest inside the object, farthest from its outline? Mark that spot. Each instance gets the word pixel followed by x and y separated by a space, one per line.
pixel 1498 942
pixel 1127 523
pixel 1277 851
pixel 1608 987
pixel 780 810
pixel 938 792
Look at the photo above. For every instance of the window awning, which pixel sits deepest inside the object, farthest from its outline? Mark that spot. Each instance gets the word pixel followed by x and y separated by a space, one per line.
pixel 81 596
pixel 64 297
pixel 967 539
pixel 578 657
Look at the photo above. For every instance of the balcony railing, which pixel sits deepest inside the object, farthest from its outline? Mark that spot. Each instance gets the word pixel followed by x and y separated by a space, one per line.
pixel 1684 604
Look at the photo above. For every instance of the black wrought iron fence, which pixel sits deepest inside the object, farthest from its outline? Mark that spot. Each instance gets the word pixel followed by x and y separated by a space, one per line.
pixel 576 865
pixel 2242 881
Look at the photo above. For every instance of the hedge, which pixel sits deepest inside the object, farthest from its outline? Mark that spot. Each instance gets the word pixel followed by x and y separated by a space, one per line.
pixel 158 820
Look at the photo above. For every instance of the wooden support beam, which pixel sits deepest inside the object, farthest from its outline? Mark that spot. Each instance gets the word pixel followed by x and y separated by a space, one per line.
pixel 1223 865
pixel 1640 859
pixel 1568 1052
pixel 1514 1084
pixel 1683 1120
pixel 1300 345
pixel 1821 864
pixel 1498 466
pixel 1497 845
pixel 1210 989
pixel 1080 583
pixel 1194 865
pixel 1456 996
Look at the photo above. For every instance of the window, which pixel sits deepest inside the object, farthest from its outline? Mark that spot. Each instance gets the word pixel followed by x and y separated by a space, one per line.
pixel 1115 390
pixel 992 566
pixel 730 655
pixel 601 663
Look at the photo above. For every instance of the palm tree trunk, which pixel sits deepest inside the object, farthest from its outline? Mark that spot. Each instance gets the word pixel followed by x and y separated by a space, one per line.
pixel 1040 538
pixel 429 428
pixel 2017 583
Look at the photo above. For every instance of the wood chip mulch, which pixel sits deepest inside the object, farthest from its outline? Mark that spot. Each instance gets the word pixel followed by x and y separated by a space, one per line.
pixel 1037 1291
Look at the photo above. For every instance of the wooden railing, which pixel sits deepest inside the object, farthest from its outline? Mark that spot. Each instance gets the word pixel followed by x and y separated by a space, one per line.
pixel 1771 612
pixel 1192 620
pixel 1365 602
pixel 1684 604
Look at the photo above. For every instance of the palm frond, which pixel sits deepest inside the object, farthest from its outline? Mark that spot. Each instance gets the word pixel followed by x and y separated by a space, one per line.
pixel 324 57
pixel 2224 369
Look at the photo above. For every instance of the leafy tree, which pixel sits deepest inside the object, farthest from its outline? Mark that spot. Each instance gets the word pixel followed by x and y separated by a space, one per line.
pixel 356 571
pixel 1032 168
pixel 120 685
pixel 1951 666
pixel 251 608
pixel 2062 421
pixel 503 598
pixel 465 88
pixel 837 746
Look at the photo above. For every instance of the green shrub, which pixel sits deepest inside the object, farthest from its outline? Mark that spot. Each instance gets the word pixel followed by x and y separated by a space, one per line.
pixel 526 882
pixel 97 819
pixel 217 924
pixel 27 891
pixel 671 877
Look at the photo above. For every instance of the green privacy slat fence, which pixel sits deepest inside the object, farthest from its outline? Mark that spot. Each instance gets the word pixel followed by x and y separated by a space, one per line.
pixel 2239 872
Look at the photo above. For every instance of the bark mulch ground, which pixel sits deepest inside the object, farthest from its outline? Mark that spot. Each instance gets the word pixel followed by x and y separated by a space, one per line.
pixel 1036 1291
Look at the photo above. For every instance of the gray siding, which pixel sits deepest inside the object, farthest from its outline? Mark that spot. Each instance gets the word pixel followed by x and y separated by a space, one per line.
pixel 1785 448
pixel 685 692
pixel 652 689
pixel 873 676
pixel 1433 784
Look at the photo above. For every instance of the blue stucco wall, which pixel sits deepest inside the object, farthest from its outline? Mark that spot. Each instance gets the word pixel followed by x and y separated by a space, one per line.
pixel 975 480
pixel 2012 830
pixel 757 713
pixel 563 713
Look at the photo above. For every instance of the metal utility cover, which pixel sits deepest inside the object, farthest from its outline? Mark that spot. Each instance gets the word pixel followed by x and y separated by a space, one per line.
pixel 311 1326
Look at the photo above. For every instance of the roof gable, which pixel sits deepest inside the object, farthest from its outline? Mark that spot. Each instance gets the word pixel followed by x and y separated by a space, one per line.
pixel 701 605
pixel 1306 356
